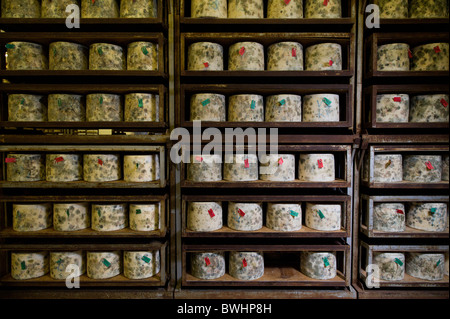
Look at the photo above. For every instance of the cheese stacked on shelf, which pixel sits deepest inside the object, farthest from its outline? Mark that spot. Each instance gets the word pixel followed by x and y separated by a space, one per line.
pixel 204 168
pixel 391 265
pixel 106 56
pixel 205 56
pixel 318 265
pixel 103 265
pixel 323 57
pixel 316 167
pixel 246 56
pixel 61 264
pixel 393 57
pixel 246 108
pixel 68 56
pixel 249 9
pixel 322 107
pixel 277 167
pixel 420 9
pixel 56 9
pixel 29 265
pixel 209 9
pixel 141 168
pixel 102 107
pixel 64 167
pixel 142 55
pixel 326 217
pixel 101 167
pixel 25 56
pixel 26 108
pixel 141 107
pixel 141 264
pixel 246 265
pixel 323 9
pixel 144 217
pixel 207 107
pixel 284 108
pixel 21 9
pixel 207 265
pixel 393 9
pixel 284 217
pixel 285 56
pixel 430 57
pixel 109 217
pixel 100 9
pixel 285 9
pixel 392 108
pixel 31 217
pixel 422 168
pixel 389 217
pixel 240 167
pixel 245 216
pixel 429 108
pixel 204 216
pixel 425 266
pixel 71 216
pixel 66 108
pixel 25 167
pixel 387 168
pixel 138 8
pixel 427 216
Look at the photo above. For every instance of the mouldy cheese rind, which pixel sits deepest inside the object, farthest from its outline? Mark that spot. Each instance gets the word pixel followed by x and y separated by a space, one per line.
pixel 281 10
pixel 21 9
pixel 318 265
pixel 61 264
pixel 245 216
pixel 391 265
pixel 141 264
pixel 246 56
pixel 284 217
pixel 26 108
pixel 204 216
pixel 249 9
pixel 100 9
pixel 246 108
pixel 209 9
pixel 29 265
pixel 389 217
pixel 103 265
pixel 205 56
pixel 145 217
pixel 207 265
pixel 71 216
pixel 138 8
pixel 31 217
pixel 246 265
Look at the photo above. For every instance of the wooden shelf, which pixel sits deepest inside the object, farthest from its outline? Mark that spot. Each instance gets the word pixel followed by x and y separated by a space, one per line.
pixel 82 184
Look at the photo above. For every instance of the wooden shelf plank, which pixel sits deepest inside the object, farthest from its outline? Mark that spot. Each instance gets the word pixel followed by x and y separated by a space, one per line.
pixel 338 183
pixel 80 184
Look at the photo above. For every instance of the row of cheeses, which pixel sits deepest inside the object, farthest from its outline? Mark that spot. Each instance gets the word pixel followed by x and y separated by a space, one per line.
pixel 77 216
pixel 89 8
pixel 77 167
pixel 249 56
pixel 62 55
pixel 393 168
pixel 104 107
pixel 96 265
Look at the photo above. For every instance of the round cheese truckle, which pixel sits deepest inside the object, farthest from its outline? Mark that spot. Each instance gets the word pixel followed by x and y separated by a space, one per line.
pixel 420 9
pixel 285 10
pixel 141 168
pixel 101 167
pixel 66 108
pixel 248 9
pixel 321 108
pixel 445 168
pixel 101 107
pixel 209 9
pixel 142 55
pixel 141 107
pixel 63 167
pixel 389 217
pixel 246 108
pixel 429 108
pixel 245 216
pixel 284 217
pixel 59 261
pixel 204 216
pixel 107 56
pixel 318 265
pixel 285 56
pixel 204 168
pixel 241 167
pixel 29 265
pixel 138 8
pixel 205 56
pixel 26 108
pixel 422 168
pixel 100 8
pixel 144 217
pixel 391 265
pixel 21 9
pixel 68 56
pixel 103 265
pixel 26 56
pixel 31 217
pixel 323 57
pixel 283 108
pixel 387 168
pixel 71 216
pixel 430 57
pixel 207 265
pixel 56 9
pixel 141 264
pixel 25 167
pixel 393 9
pixel 208 107
pixel 109 217
pixel 392 108
pixel 246 265
pixel 277 167
pixel 323 9
pixel 393 57
pixel 325 217
pixel 246 56
pixel 317 167
pixel 425 266
pixel 427 216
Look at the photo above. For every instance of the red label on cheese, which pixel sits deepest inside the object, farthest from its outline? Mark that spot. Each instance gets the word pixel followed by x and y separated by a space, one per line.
pixel 207 261
pixel 10 160
pixel 287 1
pixel 280 161
pixel 294 52
pixel 246 164
pixel 59 159
pixel 242 51
pixel 429 165
pixel 206 64
pixel 444 102
pixel 399 211
pixel 397 99
pixel 437 49
pixel 244 262
pixel 410 54
pixel 100 161
pixel 211 213
pixel 320 163
pixel 199 159
pixel 325 2
pixel 240 211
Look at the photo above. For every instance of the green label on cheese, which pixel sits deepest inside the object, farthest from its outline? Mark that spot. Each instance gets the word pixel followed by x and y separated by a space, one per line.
pixel 398 261
pixel 146 259
pixel 321 215
pixel 106 263
pixel 325 262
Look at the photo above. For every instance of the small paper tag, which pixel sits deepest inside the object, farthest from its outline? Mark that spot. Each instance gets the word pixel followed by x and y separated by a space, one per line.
pixel 438 263
pixel 325 2
pixel 388 163
pixel 330 62
pixel 99 212
pixel 410 55
pixel 199 159
pixel 253 105
pixel 326 263
pixel 242 51
pixel 399 211
pixel 206 64
pixel 100 162
pixel 10 46
pixel 433 210
pixel 437 49
pixel 398 261
pixel 287 1
pixel 244 262
pixel 211 212
pixel 146 259
pixel 101 99
pixel 10 160
pixel 100 51
pixel 22 102
pixel 144 50
pixel 67 212
pixel 138 211
pixel 59 159
pixel 294 52
pixel 326 101
pixel 59 102
pixel 280 161
pixel 429 165
pixel 23 265
pixel 93 1
pixel 282 102
pixel 206 102
pixel 140 103
pixel 293 213
pixel 321 215
pixel 397 99
pixel 241 212
pixel 106 263
pixel 246 164
pixel 444 102
pixel 320 163
pixel 207 261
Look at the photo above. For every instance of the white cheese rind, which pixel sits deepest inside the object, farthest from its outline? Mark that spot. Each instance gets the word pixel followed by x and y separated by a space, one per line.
pixel 100 9
pixel 246 56
pixel 63 167
pixel 283 108
pixel 246 108
pixel 245 216
pixel 318 265
pixel 277 9
pixel 29 265
pixel 141 264
pixel 25 168
pixel 393 57
pixel 101 167
pixel 430 57
pixel 415 168
pixel 59 261
pixel 429 108
pixel 141 168
pixel 139 8
pixel 277 167
pixel 392 108
pixel 66 108
pixel 26 108
pixel 322 107
pixel 56 9
pixel 31 217
pixel 109 217
pixel 71 216
pixel 427 216
pixel 425 266
pixel 141 107
pixel 246 265
pixel 101 107
pixel 241 167
pixel 26 56
pixel 204 168
pixel 388 168
pixel 249 9
pixel 107 56
pixel 68 56
pixel 208 107
pixel 323 57
pixel 209 9
pixel 103 265
pixel 389 217
pixel 205 56
pixel 284 217
pixel 326 217
pixel 142 55
pixel 145 217
pixel 285 56
pixel 391 266
pixel 310 170
pixel 207 265
pixel 21 9
pixel 204 216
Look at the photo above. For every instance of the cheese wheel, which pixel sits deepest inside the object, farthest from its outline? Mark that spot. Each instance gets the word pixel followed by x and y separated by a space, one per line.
pixel 71 216
pixel 207 107
pixel 285 56
pixel 323 57
pixel 240 167
pixel 323 9
pixel 387 168
pixel 431 57
pixel 61 264
pixel 144 217
pixel 277 167
pixel 103 107
pixel 284 217
pixel 316 167
pixel 420 9
pixel 246 108
pixel 389 217
pixel 101 167
pixel 422 168
pixel 248 9
pixel 26 108
pixel 393 57
pixel 205 56
pixel 204 216
pixel 139 8
pixel 29 265
pixel 141 168
pixel 445 168
pixel 25 56
pixel 21 9
pixel 103 265
pixel 429 108
pixel 246 265
pixel 106 56
pixel 141 264
pixel 427 216
pixel 323 216
pixel 318 265
pixel 63 167
pixel 109 217
pixel 284 108
pixel 392 108
pixel 141 107
pixel 209 9
pixel 245 216
pixel 56 9
pixel 425 266
pixel 100 9
pixel 391 266
pixel 246 56
pixel 68 56
pixel 393 9
pixel 25 167
pixel 277 9
pixel 66 108
pixel 204 168
pixel 31 217
pixel 142 55
pixel 321 108
pixel 207 265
